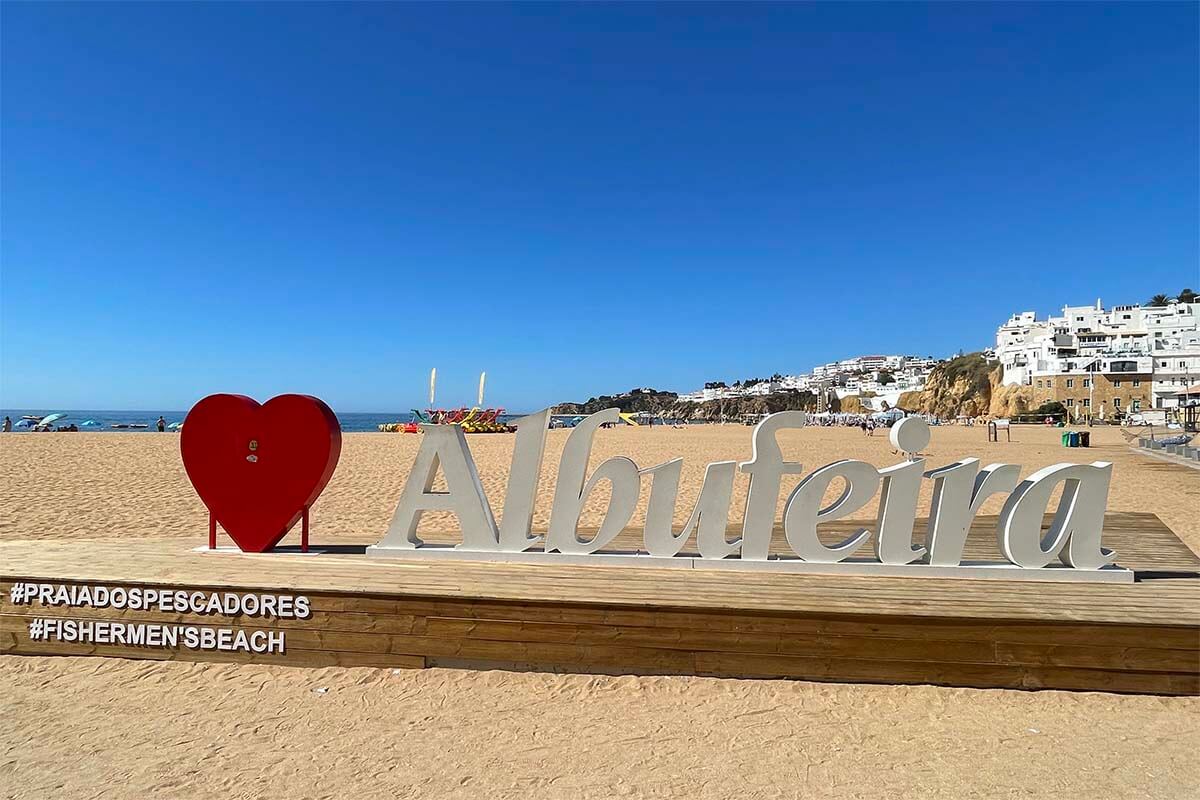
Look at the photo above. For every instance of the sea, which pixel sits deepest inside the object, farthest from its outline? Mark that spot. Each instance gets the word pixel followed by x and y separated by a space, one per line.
pixel 104 420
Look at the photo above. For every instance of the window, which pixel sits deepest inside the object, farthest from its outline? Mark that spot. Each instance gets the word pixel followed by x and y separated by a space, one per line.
pixel 1182 364
pixel 1069 402
pixel 1162 363
pixel 1137 404
pixel 1039 384
pixel 1136 383
pixel 1116 384
pixel 1087 403
pixel 1124 316
pixel 1116 402
pixel 1070 383
pixel 1087 382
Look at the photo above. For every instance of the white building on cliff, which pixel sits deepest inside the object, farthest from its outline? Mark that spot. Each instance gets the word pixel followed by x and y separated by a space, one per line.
pixel 1159 345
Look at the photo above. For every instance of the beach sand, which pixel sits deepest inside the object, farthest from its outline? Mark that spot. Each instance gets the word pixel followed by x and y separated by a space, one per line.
pixel 77 727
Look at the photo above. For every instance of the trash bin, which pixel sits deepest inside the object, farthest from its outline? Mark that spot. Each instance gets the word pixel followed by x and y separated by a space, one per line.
pixel 1085 438
pixel 1066 439
pixel 1073 439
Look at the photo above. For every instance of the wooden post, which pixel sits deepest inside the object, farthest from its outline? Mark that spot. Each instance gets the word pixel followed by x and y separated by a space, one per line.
pixel 304 530
pixel 212 531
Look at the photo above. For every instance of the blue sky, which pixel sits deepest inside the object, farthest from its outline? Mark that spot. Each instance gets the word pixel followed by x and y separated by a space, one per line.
pixel 578 199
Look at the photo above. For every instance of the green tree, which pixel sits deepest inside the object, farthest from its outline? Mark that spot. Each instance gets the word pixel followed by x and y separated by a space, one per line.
pixel 1052 408
pixel 886 377
pixel 1188 296
pixel 1158 300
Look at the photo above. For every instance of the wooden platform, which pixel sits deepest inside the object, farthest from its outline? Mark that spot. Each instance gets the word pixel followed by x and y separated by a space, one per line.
pixel 1143 637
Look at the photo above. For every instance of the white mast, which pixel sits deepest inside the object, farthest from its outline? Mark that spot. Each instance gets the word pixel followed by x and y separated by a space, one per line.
pixel 482 378
pixel 432 384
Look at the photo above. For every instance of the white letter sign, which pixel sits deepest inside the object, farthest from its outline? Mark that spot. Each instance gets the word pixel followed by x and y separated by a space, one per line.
pixel 959 491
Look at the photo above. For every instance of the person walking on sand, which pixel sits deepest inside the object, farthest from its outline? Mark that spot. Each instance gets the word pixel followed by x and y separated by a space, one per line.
pixel 162 424
pixel 7 425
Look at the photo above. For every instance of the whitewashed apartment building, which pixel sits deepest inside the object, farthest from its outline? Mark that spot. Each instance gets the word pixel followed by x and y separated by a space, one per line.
pixel 1152 349
pixel 849 376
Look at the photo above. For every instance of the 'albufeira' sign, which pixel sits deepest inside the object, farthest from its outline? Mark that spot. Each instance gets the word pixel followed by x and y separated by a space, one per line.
pixel 1069 550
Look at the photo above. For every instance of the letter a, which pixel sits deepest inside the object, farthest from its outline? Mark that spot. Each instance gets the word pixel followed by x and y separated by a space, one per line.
pixel 1078 520
pixel 444 445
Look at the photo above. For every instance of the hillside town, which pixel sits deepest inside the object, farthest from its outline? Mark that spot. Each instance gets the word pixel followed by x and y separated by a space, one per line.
pixel 1131 363
pixel 882 378
pixel 1104 364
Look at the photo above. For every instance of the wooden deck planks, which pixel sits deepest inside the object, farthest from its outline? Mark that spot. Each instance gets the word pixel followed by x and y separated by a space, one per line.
pixel 1143 637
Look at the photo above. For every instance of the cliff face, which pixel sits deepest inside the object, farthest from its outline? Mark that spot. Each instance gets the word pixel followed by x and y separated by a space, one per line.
pixel 737 407
pixel 629 403
pixel 1009 401
pixel 667 404
pixel 910 401
pixel 852 404
pixel 962 386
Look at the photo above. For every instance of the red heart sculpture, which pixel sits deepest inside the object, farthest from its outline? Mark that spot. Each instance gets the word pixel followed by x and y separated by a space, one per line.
pixel 257 467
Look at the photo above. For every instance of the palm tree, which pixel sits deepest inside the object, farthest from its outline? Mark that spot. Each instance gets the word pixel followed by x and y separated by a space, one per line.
pixel 1159 300
pixel 1188 296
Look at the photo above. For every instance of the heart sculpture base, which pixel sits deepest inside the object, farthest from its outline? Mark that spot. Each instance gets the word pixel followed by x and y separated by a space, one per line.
pixel 258 468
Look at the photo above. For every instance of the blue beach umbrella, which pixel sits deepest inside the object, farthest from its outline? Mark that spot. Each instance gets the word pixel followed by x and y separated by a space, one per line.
pixel 51 419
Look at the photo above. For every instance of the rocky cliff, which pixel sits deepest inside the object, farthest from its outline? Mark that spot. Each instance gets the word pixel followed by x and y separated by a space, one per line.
pixel 852 404
pixel 667 404
pixel 738 407
pixel 629 402
pixel 1009 401
pixel 965 386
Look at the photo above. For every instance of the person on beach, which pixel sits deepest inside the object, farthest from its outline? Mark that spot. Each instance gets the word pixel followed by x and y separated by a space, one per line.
pixel 863 425
pixel 870 428
pixel 7 425
pixel 162 424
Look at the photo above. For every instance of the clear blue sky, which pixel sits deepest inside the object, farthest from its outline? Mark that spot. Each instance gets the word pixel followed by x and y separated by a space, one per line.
pixel 578 199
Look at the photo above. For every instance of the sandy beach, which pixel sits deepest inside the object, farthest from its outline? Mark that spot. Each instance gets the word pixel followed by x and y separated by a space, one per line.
pixel 104 727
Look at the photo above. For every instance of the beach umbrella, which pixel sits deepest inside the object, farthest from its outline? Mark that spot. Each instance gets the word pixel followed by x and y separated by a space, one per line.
pixel 432 384
pixel 175 426
pixel 89 423
pixel 482 378
pixel 52 418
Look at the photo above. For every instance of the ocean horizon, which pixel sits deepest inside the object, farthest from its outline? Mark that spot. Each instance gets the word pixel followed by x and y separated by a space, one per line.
pixel 103 420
